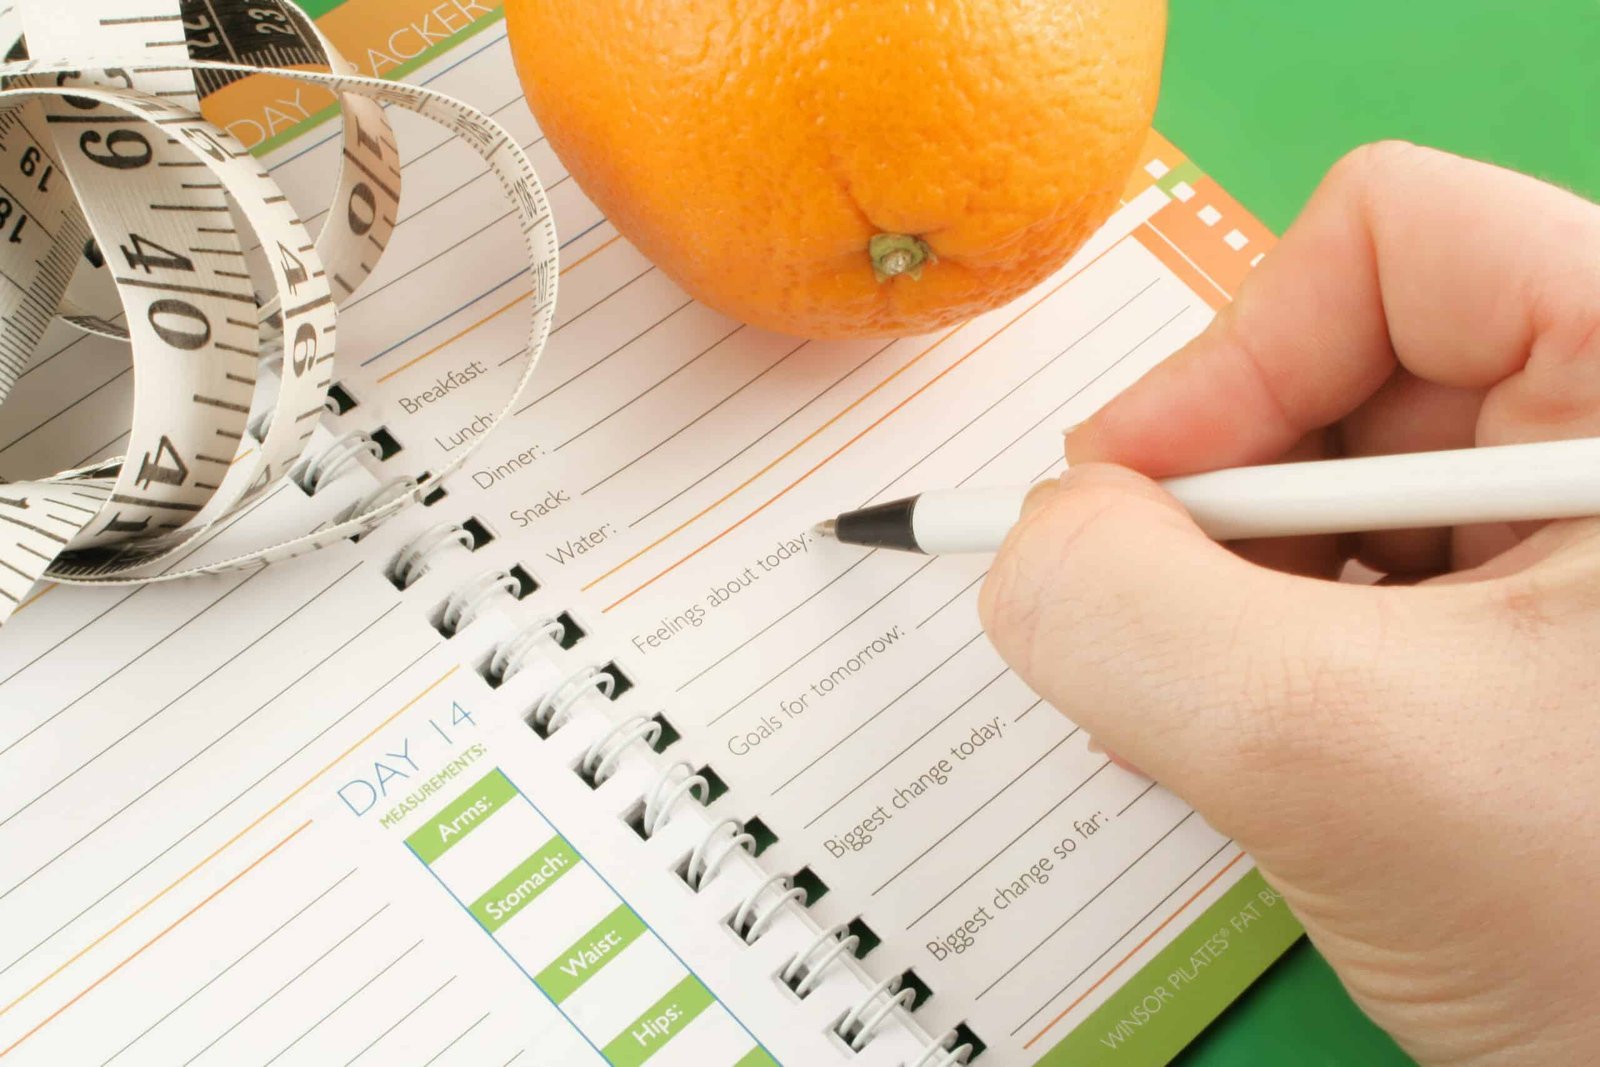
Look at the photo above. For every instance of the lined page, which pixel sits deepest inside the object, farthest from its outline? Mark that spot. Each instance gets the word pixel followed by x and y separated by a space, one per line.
pixel 664 475
pixel 215 798
pixel 659 482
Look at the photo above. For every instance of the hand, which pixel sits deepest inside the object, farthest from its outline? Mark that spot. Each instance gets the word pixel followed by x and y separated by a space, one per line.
pixel 1416 764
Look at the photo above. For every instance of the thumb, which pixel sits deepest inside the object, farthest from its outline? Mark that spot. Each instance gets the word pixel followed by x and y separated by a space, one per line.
pixel 1190 662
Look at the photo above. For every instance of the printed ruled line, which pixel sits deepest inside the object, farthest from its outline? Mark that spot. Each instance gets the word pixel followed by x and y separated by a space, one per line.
pixel 580 261
pixel 103 823
pixel 207 539
pixel 64 348
pixel 919 857
pixel 29 433
pixel 25 994
pixel 103 448
pixel 835 453
pixel 270 997
pixel 1085 387
pixel 348 998
pixel 237 960
pixel 986 864
pixel 1146 791
pixel 456 1040
pixel 761 632
pixel 702 354
pixel 107 678
pixel 481 322
pixel 819 645
pixel 47 1020
pixel 1227 296
pixel 1090 332
pixel 34 599
pixel 1213 880
pixel 431 260
pixel 392 1026
pixel 203 823
pixel 813 435
pixel 1041 942
pixel 447 342
pixel 696 420
pixel 714 471
pixel 886 764
pixel 558 327
pixel 963 592
pixel 253 644
pixel 624 346
pixel 907 691
pixel 490 41
pixel 442 319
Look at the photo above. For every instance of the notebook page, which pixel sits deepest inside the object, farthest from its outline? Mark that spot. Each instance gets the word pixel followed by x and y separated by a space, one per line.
pixel 217 811
pixel 667 458
pixel 198 867
pixel 663 476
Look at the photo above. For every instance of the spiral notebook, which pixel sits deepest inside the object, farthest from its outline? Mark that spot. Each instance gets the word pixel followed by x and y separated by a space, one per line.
pixel 599 757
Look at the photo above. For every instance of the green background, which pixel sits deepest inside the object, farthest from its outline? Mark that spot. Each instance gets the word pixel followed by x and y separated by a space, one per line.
pixel 1264 95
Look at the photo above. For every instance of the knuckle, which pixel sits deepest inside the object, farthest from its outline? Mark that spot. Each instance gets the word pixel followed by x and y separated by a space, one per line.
pixel 1377 156
pixel 1371 165
pixel 1049 589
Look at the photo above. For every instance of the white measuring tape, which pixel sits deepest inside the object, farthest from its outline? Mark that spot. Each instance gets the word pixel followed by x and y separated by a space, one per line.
pixel 108 143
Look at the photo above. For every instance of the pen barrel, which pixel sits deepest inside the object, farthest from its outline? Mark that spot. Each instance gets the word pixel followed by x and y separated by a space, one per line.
pixel 1545 480
pixel 947 521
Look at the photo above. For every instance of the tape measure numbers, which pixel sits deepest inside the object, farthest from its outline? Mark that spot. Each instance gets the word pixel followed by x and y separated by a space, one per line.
pixel 186 222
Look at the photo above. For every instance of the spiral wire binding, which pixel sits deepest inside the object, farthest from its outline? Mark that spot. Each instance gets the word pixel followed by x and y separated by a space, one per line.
pixel 663 799
pixel 863 1020
pixel 412 562
pixel 806 969
pixel 702 866
pixel 334 460
pixel 764 917
pixel 553 709
pixel 604 754
pixel 393 489
pixel 511 658
pixel 802 975
pixel 261 425
pixel 948 1053
pixel 465 603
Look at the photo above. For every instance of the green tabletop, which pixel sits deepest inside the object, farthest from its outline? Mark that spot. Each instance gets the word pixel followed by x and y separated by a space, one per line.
pixel 1264 95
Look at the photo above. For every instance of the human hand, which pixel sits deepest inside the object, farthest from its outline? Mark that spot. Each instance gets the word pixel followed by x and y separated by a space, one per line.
pixel 1416 766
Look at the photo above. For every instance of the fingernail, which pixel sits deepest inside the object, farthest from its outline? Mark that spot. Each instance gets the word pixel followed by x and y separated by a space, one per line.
pixel 1096 747
pixel 1070 430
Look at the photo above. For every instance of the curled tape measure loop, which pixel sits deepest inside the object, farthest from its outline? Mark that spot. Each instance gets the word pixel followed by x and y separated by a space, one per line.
pixel 111 146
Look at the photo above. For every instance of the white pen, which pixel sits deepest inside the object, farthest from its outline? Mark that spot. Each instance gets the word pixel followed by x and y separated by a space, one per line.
pixel 1506 483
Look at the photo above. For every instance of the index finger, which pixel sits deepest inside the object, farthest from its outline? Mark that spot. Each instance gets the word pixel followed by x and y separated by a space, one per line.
pixel 1453 269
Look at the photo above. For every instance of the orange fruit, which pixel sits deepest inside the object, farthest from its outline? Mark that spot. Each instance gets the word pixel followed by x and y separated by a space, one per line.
pixel 836 169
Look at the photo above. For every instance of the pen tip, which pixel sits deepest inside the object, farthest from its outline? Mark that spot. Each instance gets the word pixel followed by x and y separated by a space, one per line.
pixel 828 528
